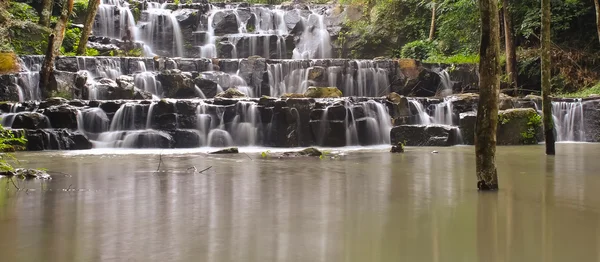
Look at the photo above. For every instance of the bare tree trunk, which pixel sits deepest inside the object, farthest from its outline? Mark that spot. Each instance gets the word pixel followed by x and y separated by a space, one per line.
pixel 489 91
pixel 46 13
pixel 546 75
pixel 47 67
pixel 87 27
pixel 432 27
pixel 509 42
pixel 59 30
pixel 597 4
pixel 54 44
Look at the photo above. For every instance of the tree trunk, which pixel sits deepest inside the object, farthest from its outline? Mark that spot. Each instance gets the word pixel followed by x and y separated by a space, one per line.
pixel 546 75
pixel 61 25
pixel 87 27
pixel 432 27
pixel 489 88
pixel 47 68
pixel 597 3
pixel 46 13
pixel 54 44
pixel 509 42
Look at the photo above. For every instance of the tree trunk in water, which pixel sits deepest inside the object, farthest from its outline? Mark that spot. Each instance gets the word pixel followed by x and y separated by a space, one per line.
pixel 597 3
pixel 47 68
pixel 546 75
pixel 489 91
pixel 511 53
pixel 54 44
pixel 61 25
pixel 46 13
pixel 432 27
pixel 87 27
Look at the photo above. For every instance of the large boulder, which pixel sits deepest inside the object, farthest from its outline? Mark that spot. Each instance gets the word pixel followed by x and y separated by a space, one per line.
pixel 519 126
pixel 323 92
pixel 9 90
pixel 225 22
pixel 55 139
pixel 30 120
pixel 231 93
pixel 148 139
pixel 62 116
pixel 127 90
pixel 317 76
pixel 207 86
pixel 425 135
pixel 177 84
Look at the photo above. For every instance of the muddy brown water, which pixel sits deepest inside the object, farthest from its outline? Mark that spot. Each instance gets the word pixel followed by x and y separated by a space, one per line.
pixel 366 205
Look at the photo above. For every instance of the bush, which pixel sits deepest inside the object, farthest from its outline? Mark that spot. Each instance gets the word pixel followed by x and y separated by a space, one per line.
pixel 420 50
pixel 9 142
pixel 23 12
pixel 71 40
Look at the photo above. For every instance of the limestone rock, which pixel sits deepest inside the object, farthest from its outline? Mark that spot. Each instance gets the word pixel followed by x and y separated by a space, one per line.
pixel 231 93
pixel 323 92
pixel 231 150
pixel 425 135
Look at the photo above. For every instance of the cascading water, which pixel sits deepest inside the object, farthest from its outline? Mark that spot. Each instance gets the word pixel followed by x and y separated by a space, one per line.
pixel 568 120
pixel 315 41
pixel 114 18
pixel 370 80
pixel 147 81
pixel 445 88
pixel 161 31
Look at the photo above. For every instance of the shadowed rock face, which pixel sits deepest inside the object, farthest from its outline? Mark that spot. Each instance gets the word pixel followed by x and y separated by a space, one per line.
pixel 421 135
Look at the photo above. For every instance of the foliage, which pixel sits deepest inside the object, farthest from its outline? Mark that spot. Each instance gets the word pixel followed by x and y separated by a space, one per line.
pixel 533 123
pixel 594 90
pixel 79 9
pixel 71 40
pixel 9 142
pixel 8 62
pixel 23 12
pixel 136 52
pixel 63 94
pixel 454 59
pixel 420 50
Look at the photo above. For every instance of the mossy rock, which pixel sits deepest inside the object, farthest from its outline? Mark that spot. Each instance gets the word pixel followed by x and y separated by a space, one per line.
pixel 394 97
pixel 9 63
pixel 323 92
pixel 231 93
pixel 311 151
pixel 293 95
pixel 231 150
pixel 519 126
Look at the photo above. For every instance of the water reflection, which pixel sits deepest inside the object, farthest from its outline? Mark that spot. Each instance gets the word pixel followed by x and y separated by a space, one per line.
pixel 366 206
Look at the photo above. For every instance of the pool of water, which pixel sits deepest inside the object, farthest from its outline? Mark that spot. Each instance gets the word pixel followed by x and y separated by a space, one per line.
pixel 363 205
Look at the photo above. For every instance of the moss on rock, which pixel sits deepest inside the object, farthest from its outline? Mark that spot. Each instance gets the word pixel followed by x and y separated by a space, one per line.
pixel 323 92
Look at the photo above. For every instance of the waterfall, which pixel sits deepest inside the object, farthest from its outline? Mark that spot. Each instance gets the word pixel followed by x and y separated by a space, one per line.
pixel 443 111
pixel 445 88
pixel 147 81
pixel 422 118
pixel 568 120
pixel 161 31
pixel 370 80
pixel 315 41
pixel 115 24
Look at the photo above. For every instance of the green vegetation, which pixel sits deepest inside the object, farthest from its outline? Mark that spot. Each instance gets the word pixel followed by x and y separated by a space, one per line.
pixel 21 11
pixel 586 92
pixel 9 142
pixel 62 94
pixel 534 122
pixel 136 52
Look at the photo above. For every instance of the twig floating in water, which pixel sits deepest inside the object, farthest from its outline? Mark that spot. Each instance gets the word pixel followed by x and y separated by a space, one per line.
pixel 159 161
pixel 248 156
pixel 200 172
